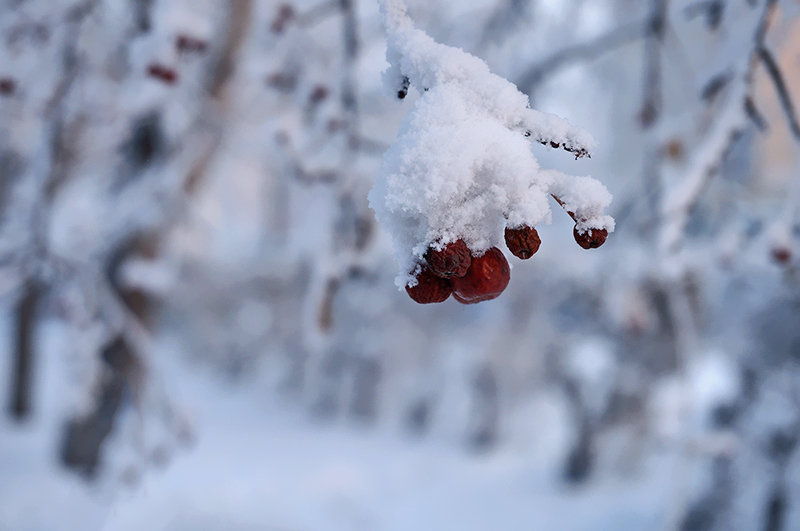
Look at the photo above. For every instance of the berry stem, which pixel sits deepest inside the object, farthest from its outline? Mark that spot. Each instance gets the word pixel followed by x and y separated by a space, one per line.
pixel 564 206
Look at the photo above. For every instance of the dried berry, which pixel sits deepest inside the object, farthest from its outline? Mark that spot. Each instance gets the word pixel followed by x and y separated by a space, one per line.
pixel 591 238
pixel 7 86
pixel 451 261
pixel 162 73
pixel 282 18
pixel 187 43
pixel 674 149
pixel 523 242
pixel 429 288
pixel 319 94
pixel 487 277
pixel 282 81
pixel 781 254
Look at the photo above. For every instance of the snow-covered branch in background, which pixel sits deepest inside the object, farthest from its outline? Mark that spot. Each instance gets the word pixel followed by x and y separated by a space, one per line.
pixel 462 171
pixel 732 121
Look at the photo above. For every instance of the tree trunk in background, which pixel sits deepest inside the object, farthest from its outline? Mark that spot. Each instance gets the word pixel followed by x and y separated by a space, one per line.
pixel 485 409
pixel 366 389
pixel 22 370
pixel 328 397
pixel 84 436
pixel 418 415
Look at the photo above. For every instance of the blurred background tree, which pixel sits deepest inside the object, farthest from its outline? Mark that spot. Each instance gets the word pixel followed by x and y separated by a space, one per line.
pixel 183 184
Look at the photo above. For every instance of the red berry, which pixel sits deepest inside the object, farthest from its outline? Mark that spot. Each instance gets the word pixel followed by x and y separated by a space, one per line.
pixel 161 72
pixel 591 238
pixel 187 43
pixel 451 261
pixel 429 288
pixel 523 242
pixel 7 86
pixel 486 278
pixel 782 255
pixel 319 93
pixel 285 14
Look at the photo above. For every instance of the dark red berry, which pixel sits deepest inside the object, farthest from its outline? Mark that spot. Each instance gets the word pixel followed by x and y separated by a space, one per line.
pixel 429 288
pixel 451 261
pixel 781 254
pixel 591 238
pixel 319 93
pixel 282 18
pixel 282 81
pixel 523 242
pixel 487 277
pixel 187 43
pixel 7 86
pixel 162 73
pixel 674 149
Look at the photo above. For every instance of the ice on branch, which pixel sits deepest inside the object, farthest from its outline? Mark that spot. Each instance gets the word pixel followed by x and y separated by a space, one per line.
pixel 462 165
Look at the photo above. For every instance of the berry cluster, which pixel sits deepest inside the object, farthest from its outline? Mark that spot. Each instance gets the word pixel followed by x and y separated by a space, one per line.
pixel 454 269
pixel 185 44
pixel 462 171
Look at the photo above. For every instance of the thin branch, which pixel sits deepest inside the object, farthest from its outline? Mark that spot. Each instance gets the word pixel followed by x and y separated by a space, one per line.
pixel 755 115
pixel 540 126
pixel 318 13
pixel 370 146
pixel 578 152
pixel 238 24
pixel 764 23
pixel 351 46
pixel 349 103
pixel 652 101
pixel 564 206
pixel 219 75
pixel 709 156
pixel 25 329
pixel 583 52
pixel 785 98
pixel 711 9
pixel 715 85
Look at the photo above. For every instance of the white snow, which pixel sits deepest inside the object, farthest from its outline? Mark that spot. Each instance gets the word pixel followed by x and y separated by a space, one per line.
pixel 260 465
pixel 462 165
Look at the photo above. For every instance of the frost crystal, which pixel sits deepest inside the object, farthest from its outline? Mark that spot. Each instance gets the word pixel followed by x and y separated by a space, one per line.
pixel 462 165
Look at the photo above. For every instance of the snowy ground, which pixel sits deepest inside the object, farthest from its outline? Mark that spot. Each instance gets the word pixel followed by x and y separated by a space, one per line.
pixel 258 465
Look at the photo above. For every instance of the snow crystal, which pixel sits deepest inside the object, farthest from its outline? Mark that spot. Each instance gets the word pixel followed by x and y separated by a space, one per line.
pixel 462 165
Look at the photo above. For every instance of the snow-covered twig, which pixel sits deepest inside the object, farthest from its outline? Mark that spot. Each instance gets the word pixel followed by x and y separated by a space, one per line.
pixel 461 167
pixel 677 206
pixel 585 51
pixel 783 92
pixel 556 132
pixel 651 106
pixel 707 159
